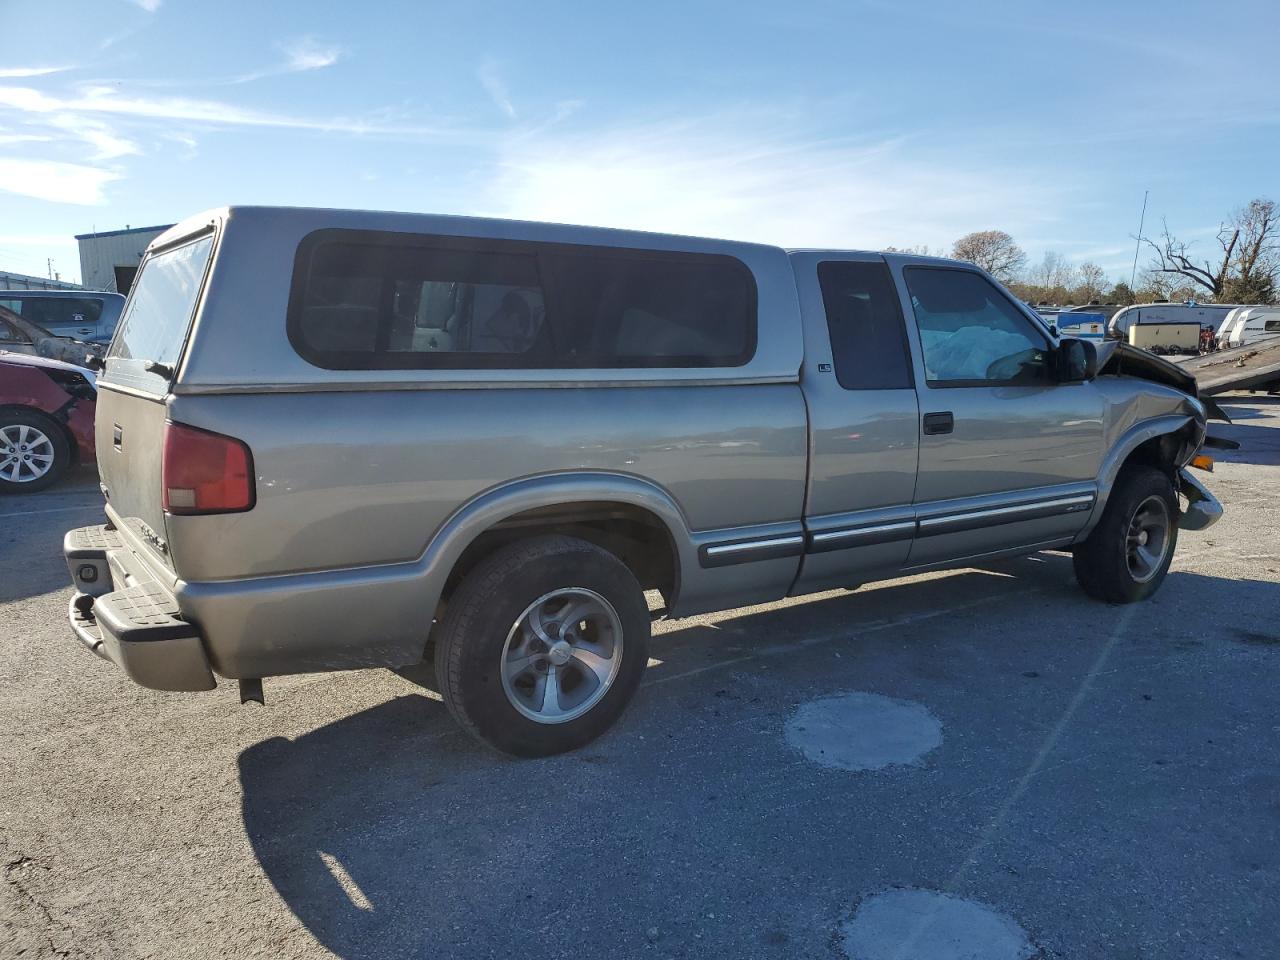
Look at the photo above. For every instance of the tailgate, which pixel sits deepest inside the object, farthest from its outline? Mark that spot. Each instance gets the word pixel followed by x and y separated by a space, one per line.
pixel 139 370
pixel 130 435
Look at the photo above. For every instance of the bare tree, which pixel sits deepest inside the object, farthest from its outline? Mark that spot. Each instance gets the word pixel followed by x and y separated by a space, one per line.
pixel 1093 281
pixel 1053 273
pixel 920 250
pixel 1247 268
pixel 994 251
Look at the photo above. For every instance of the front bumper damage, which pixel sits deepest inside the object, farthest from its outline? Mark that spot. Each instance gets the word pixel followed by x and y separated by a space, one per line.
pixel 1203 509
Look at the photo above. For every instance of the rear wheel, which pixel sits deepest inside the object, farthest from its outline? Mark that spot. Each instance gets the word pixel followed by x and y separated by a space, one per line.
pixel 34 451
pixel 1127 555
pixel 543 645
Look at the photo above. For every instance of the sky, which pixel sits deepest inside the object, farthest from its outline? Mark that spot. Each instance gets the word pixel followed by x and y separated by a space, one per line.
pixel 823 124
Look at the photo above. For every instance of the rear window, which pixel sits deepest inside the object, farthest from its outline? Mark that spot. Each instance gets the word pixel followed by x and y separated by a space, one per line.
pixel 151 334
pixel 379 300
pixel 51 312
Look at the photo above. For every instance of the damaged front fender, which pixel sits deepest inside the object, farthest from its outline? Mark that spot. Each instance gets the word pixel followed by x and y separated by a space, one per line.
pixel 1117 358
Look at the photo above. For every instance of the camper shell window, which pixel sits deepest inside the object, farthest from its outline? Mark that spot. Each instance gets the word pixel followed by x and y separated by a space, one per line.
pixel 379 300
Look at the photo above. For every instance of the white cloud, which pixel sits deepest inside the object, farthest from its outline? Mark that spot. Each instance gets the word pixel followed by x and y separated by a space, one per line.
pixel 105 100
pixel 107 144
pixel 14 72
pixel 306 53
pixel 493 84
pixel 51 180
pixel 746 182
pixel 151 6
pixel 303 54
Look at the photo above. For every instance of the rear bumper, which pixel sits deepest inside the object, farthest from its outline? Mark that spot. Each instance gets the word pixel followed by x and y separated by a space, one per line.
pixel 131 620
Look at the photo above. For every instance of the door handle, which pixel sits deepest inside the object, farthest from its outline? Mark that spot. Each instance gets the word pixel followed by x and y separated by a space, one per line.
pixel 936 423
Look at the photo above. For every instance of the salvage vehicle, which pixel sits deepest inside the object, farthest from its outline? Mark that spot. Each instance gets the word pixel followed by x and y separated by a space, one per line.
pixel 337 439
pixel 46 421
pixel 22 336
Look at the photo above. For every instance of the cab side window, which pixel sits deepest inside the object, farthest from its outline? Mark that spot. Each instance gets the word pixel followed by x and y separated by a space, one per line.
pixel 970 332
pixel 868 341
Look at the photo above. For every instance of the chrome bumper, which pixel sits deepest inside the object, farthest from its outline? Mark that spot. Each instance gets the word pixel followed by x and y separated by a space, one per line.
pixel 1203 509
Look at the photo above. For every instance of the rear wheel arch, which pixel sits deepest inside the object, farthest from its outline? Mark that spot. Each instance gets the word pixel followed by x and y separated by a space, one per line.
pixel 634 519
pixel 635 535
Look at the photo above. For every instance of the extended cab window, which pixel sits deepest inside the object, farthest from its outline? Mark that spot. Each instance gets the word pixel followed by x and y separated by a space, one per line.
pixel 970 332
pixel 868 341
pixel 369 300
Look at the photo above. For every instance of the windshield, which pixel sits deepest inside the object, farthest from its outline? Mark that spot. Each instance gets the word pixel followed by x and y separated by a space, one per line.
pixel 149 339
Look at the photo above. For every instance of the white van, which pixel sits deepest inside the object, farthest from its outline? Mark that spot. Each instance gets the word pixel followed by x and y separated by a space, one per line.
pixel 1208 315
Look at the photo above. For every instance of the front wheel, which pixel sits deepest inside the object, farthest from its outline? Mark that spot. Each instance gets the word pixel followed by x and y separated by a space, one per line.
pixel 542 646
pixel 1127 555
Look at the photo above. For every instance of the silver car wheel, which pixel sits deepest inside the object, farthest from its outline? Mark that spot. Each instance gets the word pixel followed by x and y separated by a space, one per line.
pixel 1148 538
pixel 562 655
pixel 26 454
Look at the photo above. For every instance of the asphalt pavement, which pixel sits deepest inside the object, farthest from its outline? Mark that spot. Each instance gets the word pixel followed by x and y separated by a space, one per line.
pixel 979 760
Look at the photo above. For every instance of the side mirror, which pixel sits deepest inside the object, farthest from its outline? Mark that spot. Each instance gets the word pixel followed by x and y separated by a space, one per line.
pixel 1075 361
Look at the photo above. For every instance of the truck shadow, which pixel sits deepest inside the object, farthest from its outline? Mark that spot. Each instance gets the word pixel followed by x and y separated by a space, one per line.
pixel 391 833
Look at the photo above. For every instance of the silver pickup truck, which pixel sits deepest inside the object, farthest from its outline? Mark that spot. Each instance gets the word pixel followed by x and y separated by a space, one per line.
pixel 337 439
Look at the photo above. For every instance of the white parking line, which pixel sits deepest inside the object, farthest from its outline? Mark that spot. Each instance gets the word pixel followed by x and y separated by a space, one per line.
pixel 874 626
pixel 345 881
pixel 1046 747
pixel 33 513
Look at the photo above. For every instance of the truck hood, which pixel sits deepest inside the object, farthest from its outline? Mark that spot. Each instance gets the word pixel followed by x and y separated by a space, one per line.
pixel 1119 359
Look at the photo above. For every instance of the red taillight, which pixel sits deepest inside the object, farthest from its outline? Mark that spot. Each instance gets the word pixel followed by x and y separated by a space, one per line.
pixel 204 472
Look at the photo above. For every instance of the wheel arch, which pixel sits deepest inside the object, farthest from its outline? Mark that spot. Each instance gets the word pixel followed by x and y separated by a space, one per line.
pixel 634 519
pixel 1161 442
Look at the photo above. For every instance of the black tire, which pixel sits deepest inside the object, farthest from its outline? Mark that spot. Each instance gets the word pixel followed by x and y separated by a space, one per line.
pixel 486 608
pixel 1105 568
pixel 55 444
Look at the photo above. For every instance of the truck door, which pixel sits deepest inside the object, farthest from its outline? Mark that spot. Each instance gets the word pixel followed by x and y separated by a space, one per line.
pixel 863 419
pixel 1009 457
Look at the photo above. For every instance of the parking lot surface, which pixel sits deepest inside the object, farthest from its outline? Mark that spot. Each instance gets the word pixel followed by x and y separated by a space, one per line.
pixel 978 760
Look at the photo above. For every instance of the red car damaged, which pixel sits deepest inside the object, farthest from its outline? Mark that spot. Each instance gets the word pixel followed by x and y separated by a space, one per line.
pixel 46 420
